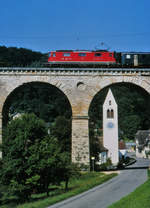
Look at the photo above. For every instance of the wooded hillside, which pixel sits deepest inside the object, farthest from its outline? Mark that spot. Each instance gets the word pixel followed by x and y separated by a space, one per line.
pixel 18 57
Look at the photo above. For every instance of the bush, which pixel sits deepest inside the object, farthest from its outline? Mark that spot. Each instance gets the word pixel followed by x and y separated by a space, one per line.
pixel 105 166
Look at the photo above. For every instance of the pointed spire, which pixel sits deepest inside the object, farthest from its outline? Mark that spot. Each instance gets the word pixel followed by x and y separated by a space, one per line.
pixel 110 99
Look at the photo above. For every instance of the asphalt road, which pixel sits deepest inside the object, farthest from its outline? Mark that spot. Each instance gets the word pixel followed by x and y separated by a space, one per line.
pixel 104 195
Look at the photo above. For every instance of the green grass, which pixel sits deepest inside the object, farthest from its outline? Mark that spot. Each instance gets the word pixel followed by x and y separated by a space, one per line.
pixel 140 198
pixel 76 186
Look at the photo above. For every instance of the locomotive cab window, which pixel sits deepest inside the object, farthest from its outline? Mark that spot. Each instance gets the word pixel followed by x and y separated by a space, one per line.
pixel 49 55
pixel 98 54
pixel 82 54
pixel 54 54
pixel 66 54
pixel 110 55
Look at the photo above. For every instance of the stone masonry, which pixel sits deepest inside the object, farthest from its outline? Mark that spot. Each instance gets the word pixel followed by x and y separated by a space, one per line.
pixel 80 86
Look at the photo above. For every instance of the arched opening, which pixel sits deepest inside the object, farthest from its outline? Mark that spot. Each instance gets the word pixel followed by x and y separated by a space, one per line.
pixel 110 113
pixel 47 102
pixel 133 114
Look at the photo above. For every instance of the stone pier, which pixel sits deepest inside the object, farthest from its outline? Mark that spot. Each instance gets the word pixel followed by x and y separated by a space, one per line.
pixel 80 140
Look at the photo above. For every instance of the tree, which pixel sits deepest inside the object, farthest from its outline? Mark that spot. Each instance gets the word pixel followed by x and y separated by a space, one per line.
pixel 32 159
pixel 67 169
pixel 61 130
pixel 19 137
pixel 54 165
pixel 47 157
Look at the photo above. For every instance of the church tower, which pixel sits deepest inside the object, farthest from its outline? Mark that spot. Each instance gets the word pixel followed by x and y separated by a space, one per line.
pixel 110 127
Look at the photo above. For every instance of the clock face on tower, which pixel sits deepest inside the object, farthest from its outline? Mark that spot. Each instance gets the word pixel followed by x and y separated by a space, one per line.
pixel 110 125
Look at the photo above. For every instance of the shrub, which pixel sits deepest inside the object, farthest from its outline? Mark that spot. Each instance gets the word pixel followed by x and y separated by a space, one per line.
pixel 105 166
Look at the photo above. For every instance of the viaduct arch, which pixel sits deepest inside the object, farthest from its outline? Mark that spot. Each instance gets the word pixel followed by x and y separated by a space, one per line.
pixel 80 86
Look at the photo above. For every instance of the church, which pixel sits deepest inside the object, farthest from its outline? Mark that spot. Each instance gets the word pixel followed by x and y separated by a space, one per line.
pixel 110 127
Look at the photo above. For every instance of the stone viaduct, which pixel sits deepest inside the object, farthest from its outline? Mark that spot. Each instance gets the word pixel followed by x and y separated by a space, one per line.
pixel 80 85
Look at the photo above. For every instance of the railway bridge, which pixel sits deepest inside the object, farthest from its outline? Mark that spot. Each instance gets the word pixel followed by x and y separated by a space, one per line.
pixel 80 85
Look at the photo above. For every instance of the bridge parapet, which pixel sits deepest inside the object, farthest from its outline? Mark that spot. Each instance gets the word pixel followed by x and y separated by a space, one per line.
pixel 75 71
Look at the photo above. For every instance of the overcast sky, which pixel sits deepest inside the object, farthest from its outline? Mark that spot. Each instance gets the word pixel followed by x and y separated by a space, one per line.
pixel 45 25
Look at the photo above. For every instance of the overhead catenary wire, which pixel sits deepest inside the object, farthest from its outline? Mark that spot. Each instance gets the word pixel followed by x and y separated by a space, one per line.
pixel 77 37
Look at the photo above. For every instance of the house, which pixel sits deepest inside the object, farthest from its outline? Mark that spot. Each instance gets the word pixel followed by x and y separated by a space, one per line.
pixel 130 146
pixel 16 115
pixel 122 150
pixel 142 139
pixel 103 155
pixel 103 152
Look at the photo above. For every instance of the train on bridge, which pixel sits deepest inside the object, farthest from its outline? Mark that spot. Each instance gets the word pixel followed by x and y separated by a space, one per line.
pixel 99 58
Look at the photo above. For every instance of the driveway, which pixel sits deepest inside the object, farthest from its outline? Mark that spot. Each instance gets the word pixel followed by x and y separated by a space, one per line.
pixel 104 195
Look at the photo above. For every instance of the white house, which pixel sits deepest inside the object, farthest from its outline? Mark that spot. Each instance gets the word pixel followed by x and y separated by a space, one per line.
pixel 142 139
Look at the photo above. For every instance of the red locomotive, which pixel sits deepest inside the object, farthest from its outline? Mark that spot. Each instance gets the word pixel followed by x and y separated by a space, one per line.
pixel 102 57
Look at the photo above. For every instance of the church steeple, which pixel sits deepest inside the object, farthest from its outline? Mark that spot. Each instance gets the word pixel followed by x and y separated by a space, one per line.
pixel 110 127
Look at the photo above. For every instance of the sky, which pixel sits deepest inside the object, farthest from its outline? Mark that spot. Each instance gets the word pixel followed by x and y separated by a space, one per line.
pixel 47 25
